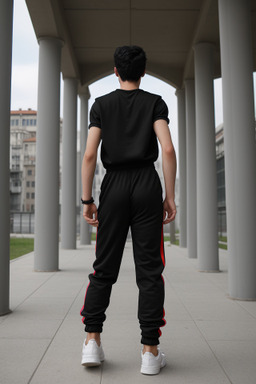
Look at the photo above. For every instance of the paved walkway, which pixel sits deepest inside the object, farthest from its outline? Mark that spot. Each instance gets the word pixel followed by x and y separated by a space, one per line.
pixel 209 339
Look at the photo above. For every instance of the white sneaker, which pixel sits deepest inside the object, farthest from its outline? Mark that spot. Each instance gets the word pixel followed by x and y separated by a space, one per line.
pixel 152 364
pixel 92 354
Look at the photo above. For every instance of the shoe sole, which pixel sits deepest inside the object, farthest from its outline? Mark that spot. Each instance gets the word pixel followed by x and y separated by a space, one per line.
pixel 152 370
pixel 91 362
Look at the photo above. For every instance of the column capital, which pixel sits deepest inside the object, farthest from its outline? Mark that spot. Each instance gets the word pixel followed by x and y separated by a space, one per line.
pixel 84 92
pixel 179 91
pixel 57 40
pixel 73 81
pixel 189 81
pixel 203 45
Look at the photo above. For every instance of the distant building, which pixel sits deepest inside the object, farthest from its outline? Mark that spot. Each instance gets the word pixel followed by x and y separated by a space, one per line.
pixel 221 194
pixel 23 159
pixel 23 127
pixel 28 178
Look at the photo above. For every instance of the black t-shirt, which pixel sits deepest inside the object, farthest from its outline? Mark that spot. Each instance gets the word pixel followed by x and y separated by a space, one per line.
pixel 126 120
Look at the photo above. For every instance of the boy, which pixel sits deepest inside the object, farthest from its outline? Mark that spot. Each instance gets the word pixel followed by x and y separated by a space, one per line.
pixel 128 121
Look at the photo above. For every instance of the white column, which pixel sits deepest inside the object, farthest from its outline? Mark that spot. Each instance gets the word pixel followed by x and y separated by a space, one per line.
pixel 78 178
pixel 85 232
pixel 47 156
pixel 180 93
pixel 239 145
pixel 68 182
pixel 207 228
pixel 191 168
pixel 6 20
pixel 172 232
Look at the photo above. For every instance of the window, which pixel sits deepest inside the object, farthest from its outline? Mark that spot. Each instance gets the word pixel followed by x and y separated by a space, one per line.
pixel 17 122
pixel 27 195
pixel 33 184
pixel 32 208
pixel 29 172
pixel 32 195
pixel 23 122
pixel 34 121
pixel 28 183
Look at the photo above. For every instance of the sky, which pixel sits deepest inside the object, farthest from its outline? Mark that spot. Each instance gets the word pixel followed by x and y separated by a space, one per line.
pixel 25 76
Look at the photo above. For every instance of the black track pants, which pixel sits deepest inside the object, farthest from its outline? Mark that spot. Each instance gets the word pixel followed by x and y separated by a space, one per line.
pixel 129 198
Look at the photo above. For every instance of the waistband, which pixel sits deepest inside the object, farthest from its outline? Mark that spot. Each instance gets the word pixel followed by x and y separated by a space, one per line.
pixel 127 167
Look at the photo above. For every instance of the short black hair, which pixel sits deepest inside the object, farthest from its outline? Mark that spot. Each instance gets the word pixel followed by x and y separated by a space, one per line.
pixel 130 62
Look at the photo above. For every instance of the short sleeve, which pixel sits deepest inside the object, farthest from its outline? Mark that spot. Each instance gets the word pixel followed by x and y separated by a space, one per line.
pixel 161 111
pixel 95 115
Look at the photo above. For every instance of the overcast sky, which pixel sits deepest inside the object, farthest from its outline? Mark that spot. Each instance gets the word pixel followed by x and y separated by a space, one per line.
pixel 25 73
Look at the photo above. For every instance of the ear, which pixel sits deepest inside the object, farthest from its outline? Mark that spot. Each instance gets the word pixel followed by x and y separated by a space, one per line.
pixel 116 73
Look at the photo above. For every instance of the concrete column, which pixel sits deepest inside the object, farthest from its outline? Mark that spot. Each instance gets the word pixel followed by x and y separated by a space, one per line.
pixel 78 178
pixel 239 145
pixel 47 156
pixel 207 228
pixel 6 20
pixel 191 168
pixel 68 182
pixel 182 167
pixel 85 232
pixel 172 232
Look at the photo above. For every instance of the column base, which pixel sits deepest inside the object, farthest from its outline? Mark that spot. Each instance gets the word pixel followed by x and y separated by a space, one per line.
pixel 6 313
pixel 47 270
pixel 240 299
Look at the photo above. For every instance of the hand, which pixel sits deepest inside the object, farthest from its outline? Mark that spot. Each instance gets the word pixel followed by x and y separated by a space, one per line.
pixel 169 212
pixel 90 214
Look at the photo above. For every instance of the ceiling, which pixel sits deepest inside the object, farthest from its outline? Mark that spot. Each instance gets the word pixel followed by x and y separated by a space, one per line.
pixel 166 29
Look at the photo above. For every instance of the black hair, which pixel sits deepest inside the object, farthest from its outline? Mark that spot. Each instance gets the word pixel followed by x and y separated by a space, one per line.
pixel 130 62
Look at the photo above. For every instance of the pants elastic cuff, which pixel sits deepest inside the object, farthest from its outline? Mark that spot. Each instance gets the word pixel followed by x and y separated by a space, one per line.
pixel 93 329
pixel 147 341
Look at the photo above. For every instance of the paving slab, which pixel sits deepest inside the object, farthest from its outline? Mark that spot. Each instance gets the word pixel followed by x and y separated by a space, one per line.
pixel 19 358
pixel 208 338
pixel 238 359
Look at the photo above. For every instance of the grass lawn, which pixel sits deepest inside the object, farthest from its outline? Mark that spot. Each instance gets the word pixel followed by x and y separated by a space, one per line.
pixel 19 247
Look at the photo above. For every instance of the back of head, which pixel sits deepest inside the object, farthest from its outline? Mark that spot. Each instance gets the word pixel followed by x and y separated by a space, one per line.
pixel 130 62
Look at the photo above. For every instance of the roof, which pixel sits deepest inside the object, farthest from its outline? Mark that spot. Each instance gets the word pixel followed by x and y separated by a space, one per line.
pixel 24 112
pixel 166 29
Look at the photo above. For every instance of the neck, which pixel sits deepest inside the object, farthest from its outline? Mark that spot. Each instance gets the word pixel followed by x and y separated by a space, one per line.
pixel 129 85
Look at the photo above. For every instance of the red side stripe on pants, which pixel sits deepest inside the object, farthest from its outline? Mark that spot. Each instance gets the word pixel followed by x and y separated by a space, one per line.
pixel 162 246
pixel 163 260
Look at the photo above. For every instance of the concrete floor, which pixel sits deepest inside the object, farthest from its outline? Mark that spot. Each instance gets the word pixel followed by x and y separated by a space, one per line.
pixel 208 339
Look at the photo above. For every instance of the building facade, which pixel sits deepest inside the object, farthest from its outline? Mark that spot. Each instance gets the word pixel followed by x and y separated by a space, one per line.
pixel 22 128
pixel 28 175
pixel 221 191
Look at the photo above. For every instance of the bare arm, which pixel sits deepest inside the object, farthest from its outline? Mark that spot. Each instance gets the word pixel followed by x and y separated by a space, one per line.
pixel 169 168
pixel 88 169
